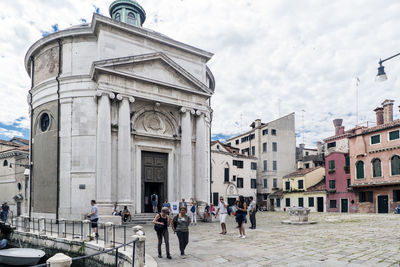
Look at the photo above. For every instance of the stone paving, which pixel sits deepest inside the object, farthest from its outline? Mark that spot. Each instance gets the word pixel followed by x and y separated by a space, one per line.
pixel 336 240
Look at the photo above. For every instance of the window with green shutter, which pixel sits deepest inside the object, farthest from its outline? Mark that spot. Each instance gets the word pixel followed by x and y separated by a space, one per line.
pixel 360 170
pixel 331 164
pixel 394 135
pixel 287 202
pixel 375 139
pixel 376 168
pixel 396 195
pixel 226 175
pixel 300 184
pixel 395 165
pixel 332 184
pixel 301 202
pixel 310 202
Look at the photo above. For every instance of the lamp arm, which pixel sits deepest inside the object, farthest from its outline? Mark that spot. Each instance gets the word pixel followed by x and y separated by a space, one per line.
pixel 386 59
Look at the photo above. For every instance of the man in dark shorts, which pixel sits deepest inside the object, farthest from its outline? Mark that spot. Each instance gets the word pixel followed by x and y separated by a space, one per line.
pixel 94 217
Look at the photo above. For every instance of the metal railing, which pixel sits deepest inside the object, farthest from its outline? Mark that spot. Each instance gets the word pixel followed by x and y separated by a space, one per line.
pixel 84 259
pixel 75 230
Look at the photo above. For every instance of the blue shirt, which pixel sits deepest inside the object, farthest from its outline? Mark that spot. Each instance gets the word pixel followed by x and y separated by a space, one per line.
pixel 96 212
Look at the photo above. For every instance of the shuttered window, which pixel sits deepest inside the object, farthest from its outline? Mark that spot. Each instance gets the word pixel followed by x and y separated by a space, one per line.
pixel 376 168
pixel 395 165
pixel 360 169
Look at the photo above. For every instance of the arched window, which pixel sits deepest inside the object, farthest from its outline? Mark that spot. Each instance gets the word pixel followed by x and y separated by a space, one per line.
pixel 5 163
pixel 131 18
pixel 360 170
pixel 376 168
pixel 395 165
pixel 118 16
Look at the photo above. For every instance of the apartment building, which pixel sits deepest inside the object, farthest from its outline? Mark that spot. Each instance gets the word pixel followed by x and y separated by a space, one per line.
pixel 233 173
pixel 375 162
pixel 340 195
pixel 274 145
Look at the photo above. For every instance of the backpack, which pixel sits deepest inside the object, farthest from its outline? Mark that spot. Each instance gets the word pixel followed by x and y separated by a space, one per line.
pixel 153 197
pixel 175 221
pixel 193 209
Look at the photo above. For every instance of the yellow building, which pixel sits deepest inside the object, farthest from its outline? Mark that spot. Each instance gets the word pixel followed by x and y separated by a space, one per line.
pixel 305 188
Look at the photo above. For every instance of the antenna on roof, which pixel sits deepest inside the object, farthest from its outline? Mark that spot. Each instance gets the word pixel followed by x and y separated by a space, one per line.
pixel 302 118
pixel 357 83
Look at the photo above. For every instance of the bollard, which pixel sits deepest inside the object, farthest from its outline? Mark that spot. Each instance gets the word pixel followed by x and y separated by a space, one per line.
pixel 61 228
pixel 86 230
pixel 26 225
pixel 59 260
pixel 140 244
pixel 42 228
pixel 108 237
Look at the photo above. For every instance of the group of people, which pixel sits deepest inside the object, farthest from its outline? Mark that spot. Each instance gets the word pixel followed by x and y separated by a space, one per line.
pixel 125 213
pixel 180 223
pixel 4 212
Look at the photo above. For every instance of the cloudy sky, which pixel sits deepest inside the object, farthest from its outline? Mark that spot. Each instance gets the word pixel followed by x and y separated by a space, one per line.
pixel 271 57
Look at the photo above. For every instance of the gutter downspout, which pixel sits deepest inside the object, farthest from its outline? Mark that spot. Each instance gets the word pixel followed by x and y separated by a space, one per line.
pixel 58 128
pixel 211 181
pixel 30 137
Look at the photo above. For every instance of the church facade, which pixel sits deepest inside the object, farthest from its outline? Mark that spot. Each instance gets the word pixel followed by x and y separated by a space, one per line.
pixel 118 112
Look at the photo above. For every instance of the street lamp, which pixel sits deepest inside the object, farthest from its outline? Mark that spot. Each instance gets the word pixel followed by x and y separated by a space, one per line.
pixel 381 76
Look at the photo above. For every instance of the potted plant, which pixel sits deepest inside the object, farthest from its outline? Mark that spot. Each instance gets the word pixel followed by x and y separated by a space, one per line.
pixel 331 171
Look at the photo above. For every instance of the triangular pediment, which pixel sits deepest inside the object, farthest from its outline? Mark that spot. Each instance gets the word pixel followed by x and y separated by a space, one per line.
pixel 153 68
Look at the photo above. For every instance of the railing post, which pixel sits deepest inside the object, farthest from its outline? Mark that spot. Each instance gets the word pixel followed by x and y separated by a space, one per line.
pixel 108 235
pixel 59 260
pixel 61 228
pixel 25 225
pixel 86 229
pixel 139 255
pixel 42 227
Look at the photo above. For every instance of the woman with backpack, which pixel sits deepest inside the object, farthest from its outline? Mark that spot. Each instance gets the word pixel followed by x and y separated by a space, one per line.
pixel 161 223
pixel 180 226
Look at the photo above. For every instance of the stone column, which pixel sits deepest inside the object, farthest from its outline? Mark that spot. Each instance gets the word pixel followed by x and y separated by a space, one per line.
pixel 186 181
pixel 103 169
pixel 124 150
pixel 201 157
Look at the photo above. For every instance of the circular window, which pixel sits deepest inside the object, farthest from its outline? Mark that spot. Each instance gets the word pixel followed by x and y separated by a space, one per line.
pixel 44 122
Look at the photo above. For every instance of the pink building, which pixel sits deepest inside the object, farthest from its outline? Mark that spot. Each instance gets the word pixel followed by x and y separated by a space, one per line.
pixel 375 163
pixel 340 196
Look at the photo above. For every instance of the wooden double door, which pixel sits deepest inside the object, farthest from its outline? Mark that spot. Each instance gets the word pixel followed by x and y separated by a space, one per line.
pixel 154 179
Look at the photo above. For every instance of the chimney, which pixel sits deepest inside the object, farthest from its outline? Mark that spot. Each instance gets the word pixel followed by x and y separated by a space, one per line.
pixel 337 123
pixel 387 111
pixel 379 115
pixel 319 147
pixel 257 123
pixel 302 146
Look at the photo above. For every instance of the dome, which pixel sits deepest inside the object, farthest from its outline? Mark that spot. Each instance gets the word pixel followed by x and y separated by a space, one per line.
pixel 128 11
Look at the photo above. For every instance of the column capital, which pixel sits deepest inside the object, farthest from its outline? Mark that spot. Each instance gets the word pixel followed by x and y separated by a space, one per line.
pixel 185 109
pixel 100 94
pixel 129 98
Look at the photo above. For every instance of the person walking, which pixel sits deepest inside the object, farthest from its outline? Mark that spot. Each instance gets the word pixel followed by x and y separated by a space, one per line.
pixel 161 222
pixel 154 202
pixel 241 214
pixel 180 226
pixel 182 204
pixel 94 217
pixel 252 213
pixel 206 213
pixel 193 211
pixel 223 213
pixel 167 205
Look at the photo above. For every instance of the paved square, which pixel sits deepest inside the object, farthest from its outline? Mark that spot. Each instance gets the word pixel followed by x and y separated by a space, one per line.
pixel 336 240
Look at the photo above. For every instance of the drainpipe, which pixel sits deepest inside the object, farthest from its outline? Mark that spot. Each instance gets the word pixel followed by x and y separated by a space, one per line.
pixel 30 137
pixel 58 127
pixel 209 103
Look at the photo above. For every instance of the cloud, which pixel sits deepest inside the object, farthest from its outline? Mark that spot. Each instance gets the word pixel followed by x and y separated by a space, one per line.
pixel 271 57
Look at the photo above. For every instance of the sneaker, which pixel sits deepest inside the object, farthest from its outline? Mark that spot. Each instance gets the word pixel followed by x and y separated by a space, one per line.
pixel 243 237
pixel 240 236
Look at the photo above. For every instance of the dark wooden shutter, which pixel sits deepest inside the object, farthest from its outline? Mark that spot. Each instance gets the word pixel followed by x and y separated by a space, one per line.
pixel 395 196
pixel 370 196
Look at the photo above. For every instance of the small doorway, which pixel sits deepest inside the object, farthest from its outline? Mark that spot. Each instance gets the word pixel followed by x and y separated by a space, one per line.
pixel 215 198
pixel 383 204
pixel 344 205
pixel 231 201
pixel 271 204
pixel 320 204
pixel 154 179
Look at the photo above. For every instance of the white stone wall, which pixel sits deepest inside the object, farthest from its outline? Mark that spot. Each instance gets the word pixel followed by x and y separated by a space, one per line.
pixel 222 160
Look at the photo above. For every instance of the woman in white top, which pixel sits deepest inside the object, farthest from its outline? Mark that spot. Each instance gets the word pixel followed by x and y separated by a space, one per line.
pixel 193 211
